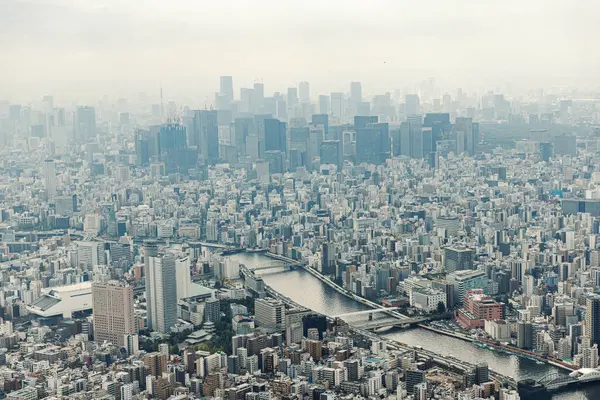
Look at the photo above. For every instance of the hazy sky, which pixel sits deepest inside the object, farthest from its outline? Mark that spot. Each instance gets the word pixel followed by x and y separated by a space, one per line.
pixel 86 48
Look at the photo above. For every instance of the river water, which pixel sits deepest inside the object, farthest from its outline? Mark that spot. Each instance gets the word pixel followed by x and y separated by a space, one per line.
pixel 310 292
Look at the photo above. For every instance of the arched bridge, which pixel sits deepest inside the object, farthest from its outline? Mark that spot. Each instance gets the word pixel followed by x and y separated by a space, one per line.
pixel 556 380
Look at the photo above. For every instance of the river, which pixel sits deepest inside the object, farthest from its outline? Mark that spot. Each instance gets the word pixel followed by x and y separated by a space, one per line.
pixel 310 292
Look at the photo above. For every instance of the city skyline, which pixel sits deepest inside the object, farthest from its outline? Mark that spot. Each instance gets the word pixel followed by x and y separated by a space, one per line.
pixel 125 48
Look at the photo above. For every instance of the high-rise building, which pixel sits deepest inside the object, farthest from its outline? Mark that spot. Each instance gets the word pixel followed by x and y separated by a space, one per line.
pixel 411 104
pixel 292 97
pixel 270 313
pixel 337 106
pixel 565 144
pixel 323 119
pixel 456 258
pixel 546 151
pixel 275 135
pixel 205 134
pixel 368 145
pixel 226 87
pixel 182 268
pixel 258 98
pixel 212 310
pixel 304 92
pixel 524 335
pixel 465 125
pixel 161 292
pixel 361 121
pixel 85 123
pixel 332 153
pixel 592 318
pixel 355 92
pixel 324 104
pixel 112 305
pixel 50 179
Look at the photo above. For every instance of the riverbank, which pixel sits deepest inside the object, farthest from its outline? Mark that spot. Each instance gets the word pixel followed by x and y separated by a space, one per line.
pixel 491 345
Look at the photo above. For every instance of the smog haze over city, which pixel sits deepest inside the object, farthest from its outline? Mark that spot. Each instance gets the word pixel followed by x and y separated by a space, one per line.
pixel 81 48
pixel 296 200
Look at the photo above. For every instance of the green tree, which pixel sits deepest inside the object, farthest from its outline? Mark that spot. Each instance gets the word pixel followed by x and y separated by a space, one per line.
pixel 441 308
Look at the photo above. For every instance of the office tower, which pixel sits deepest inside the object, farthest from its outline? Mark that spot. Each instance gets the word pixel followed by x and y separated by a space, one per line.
pixel 206 134
pixel 314 321
pixel 270 313
pixel 465 125
pixel 565 144
pixel 50 179
pixel 417 142
pixel 440 127
pixel 246 100
pixel 404 145
pixel 85 123
pixel 384 140
pixel 415 126
pixel 258 98
pixel 243 127
pixel 304 92
pixel 161 292
pixel 275 135
pixel 361 121
pixel 144 146
pixel 324 104
pixel 292 97
pixel 592 318
pixel 226 87
pixel 323 119
pixel 182 268
pixel 276 160
pixel 337 106
pixel 172 137
pixel 546 151
pixel 368 145
pixel 112 305
pixel 355 93
pixel 328 259
pixel 456 259
pixel 363 108
pixel 332 153
pixel 411 104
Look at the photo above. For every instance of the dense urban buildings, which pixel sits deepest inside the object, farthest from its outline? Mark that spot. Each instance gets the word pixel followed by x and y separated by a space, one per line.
pixel 154 250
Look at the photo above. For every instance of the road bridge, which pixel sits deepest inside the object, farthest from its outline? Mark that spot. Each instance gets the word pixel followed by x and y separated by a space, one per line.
pixel 389 322
pixel 366 312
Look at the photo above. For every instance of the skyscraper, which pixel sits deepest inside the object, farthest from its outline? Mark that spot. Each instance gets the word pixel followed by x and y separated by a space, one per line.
pixel 592 318
pixel 85 123
pixel 332 153
pixel 292 97
pixel 465 125
pixel 161 292
pixel 411 104
pixel 368 145
pixel 324 104
pixel 275 135
pixel 50 179
pixel 355 92
pixel 337 106
pixel 206 134
pixel 182 268
pixel 304 92
pixel 112 305
pixel 226 87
